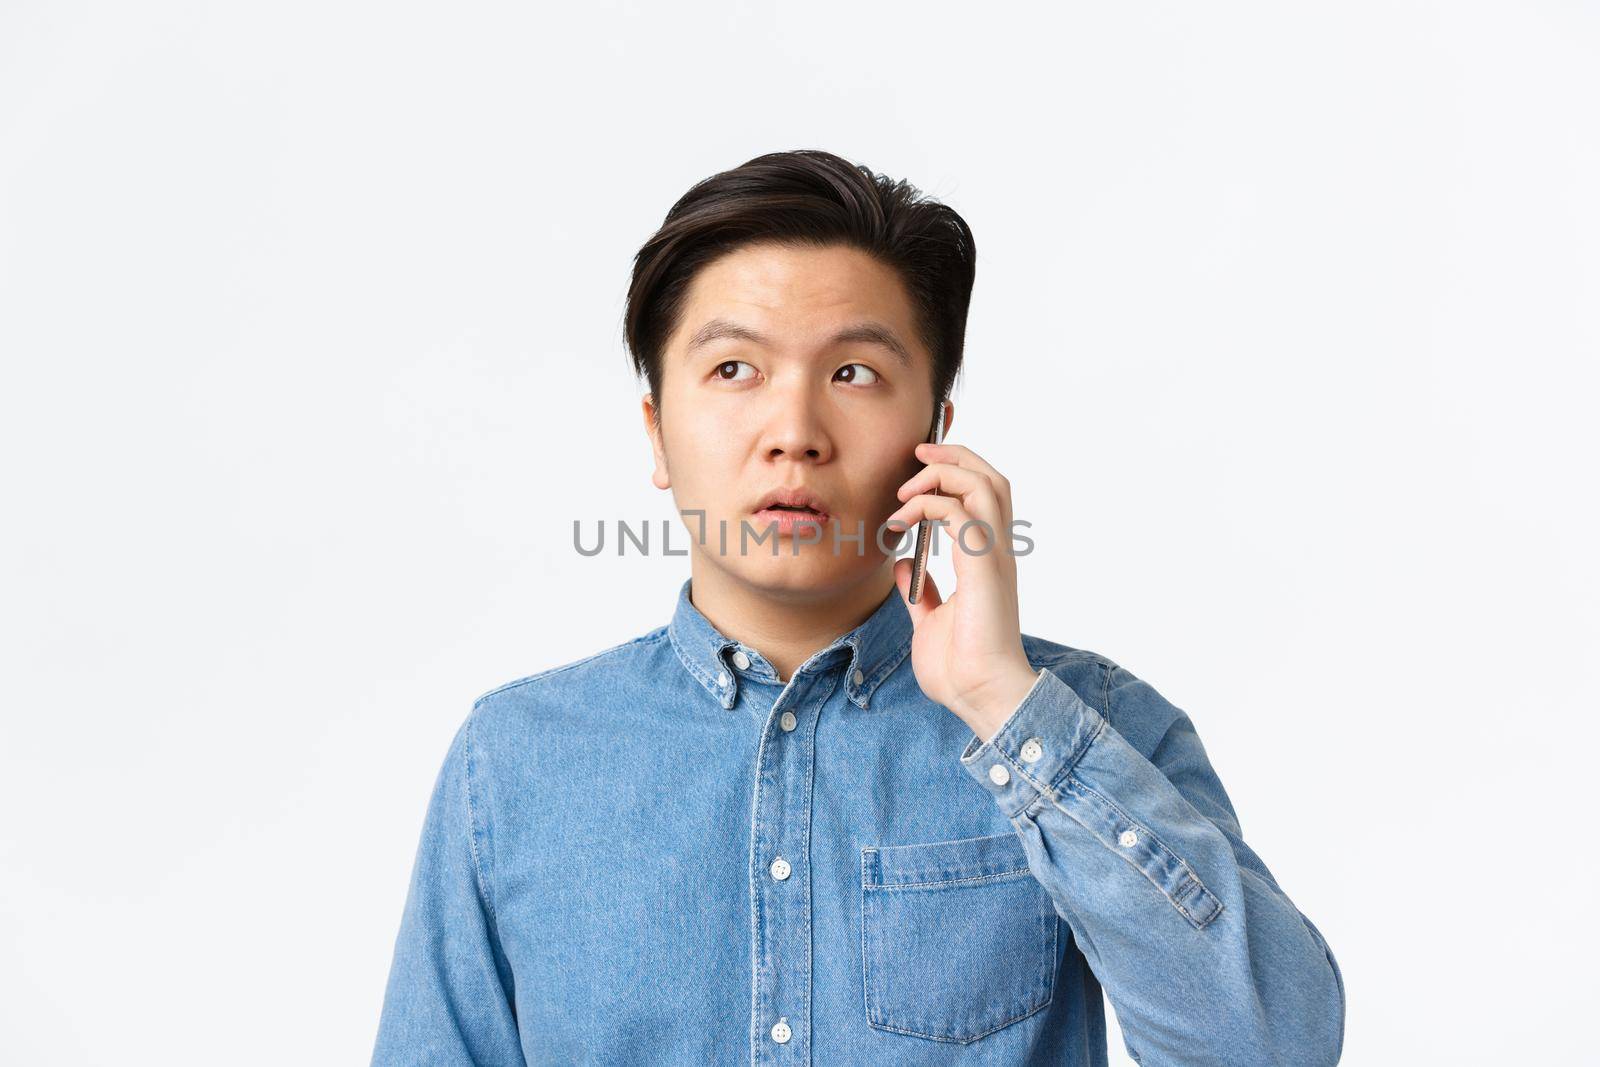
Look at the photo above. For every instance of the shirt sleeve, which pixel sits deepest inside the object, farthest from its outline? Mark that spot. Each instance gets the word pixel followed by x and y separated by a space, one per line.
pixel 1204 958
pixel 449 998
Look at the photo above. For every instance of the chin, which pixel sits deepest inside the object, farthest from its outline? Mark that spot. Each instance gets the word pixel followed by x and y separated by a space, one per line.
pixel 815 571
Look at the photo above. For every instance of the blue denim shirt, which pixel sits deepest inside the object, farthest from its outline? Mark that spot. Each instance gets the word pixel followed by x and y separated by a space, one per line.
pixel 661 854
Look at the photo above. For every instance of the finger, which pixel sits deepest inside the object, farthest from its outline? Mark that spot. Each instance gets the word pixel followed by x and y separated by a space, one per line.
pixel 964 457
pixel 929 599
pixel 977 555
pixel 960 455
pixel 894 531
pixel 993 538
pixel 974 489
pixel 929 506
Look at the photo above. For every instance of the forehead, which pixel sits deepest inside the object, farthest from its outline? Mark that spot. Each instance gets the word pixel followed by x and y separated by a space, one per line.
pixel 797 295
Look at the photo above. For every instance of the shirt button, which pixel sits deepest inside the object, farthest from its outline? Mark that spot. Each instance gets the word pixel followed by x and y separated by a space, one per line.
pixel 780 1031
pixel 1032 750
pixel 1128 839
pixel 999 775
pixel 858 677
pixel 786 720
pixel 741 660
pixel 780 868
pixel 722 677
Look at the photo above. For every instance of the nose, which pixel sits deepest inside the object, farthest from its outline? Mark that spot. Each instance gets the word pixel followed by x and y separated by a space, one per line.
pixel 797 429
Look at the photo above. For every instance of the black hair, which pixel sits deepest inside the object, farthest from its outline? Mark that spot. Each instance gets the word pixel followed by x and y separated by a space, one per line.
pixel 806 197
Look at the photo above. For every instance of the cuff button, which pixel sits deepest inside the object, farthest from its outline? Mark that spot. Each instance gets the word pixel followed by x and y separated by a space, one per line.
pixel 998 774
pixel 1128 839
pixel 1032 749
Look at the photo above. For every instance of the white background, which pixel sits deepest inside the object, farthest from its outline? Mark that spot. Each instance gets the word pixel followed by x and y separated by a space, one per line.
pixel 1284 329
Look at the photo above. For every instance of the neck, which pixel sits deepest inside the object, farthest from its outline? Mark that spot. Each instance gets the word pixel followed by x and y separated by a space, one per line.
pixel 787 626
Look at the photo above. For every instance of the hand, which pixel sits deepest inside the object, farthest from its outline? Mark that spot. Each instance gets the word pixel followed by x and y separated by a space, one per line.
pixel 966 650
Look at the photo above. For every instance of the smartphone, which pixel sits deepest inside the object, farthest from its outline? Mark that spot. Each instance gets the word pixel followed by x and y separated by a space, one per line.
pixel 919 559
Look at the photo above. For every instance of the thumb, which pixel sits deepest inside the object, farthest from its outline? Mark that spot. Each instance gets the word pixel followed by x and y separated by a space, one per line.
pixel 930 598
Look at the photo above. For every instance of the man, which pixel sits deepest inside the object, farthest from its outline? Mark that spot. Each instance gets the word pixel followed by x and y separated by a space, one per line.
pixel 806 821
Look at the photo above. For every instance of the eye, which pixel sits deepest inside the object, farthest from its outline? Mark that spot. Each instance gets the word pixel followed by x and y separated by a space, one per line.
pixel 872 375
pixel 735 363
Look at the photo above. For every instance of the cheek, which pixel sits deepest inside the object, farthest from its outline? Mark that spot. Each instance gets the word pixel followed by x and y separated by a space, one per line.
pixel 704 464
pixel 884 470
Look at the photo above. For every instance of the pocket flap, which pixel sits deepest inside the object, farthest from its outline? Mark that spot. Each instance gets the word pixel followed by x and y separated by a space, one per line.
pixel 933 863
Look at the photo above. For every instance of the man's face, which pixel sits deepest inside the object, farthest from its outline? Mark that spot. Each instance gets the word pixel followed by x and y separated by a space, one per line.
pixel 760 393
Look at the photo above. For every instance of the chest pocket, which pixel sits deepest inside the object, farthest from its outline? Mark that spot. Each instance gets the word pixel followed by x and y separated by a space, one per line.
pixel 958 938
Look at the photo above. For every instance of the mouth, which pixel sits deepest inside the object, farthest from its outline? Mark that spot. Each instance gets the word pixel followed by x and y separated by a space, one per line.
pixel 788 508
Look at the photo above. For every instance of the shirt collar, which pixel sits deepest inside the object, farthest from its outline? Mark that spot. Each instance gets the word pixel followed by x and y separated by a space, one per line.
pixel 875 649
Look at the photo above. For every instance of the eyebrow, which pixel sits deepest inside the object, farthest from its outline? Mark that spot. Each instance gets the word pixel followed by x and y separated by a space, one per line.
pixel 861 332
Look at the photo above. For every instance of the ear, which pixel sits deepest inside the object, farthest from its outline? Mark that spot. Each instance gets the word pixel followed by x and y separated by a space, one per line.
pixel 659 477
pixel 949 416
